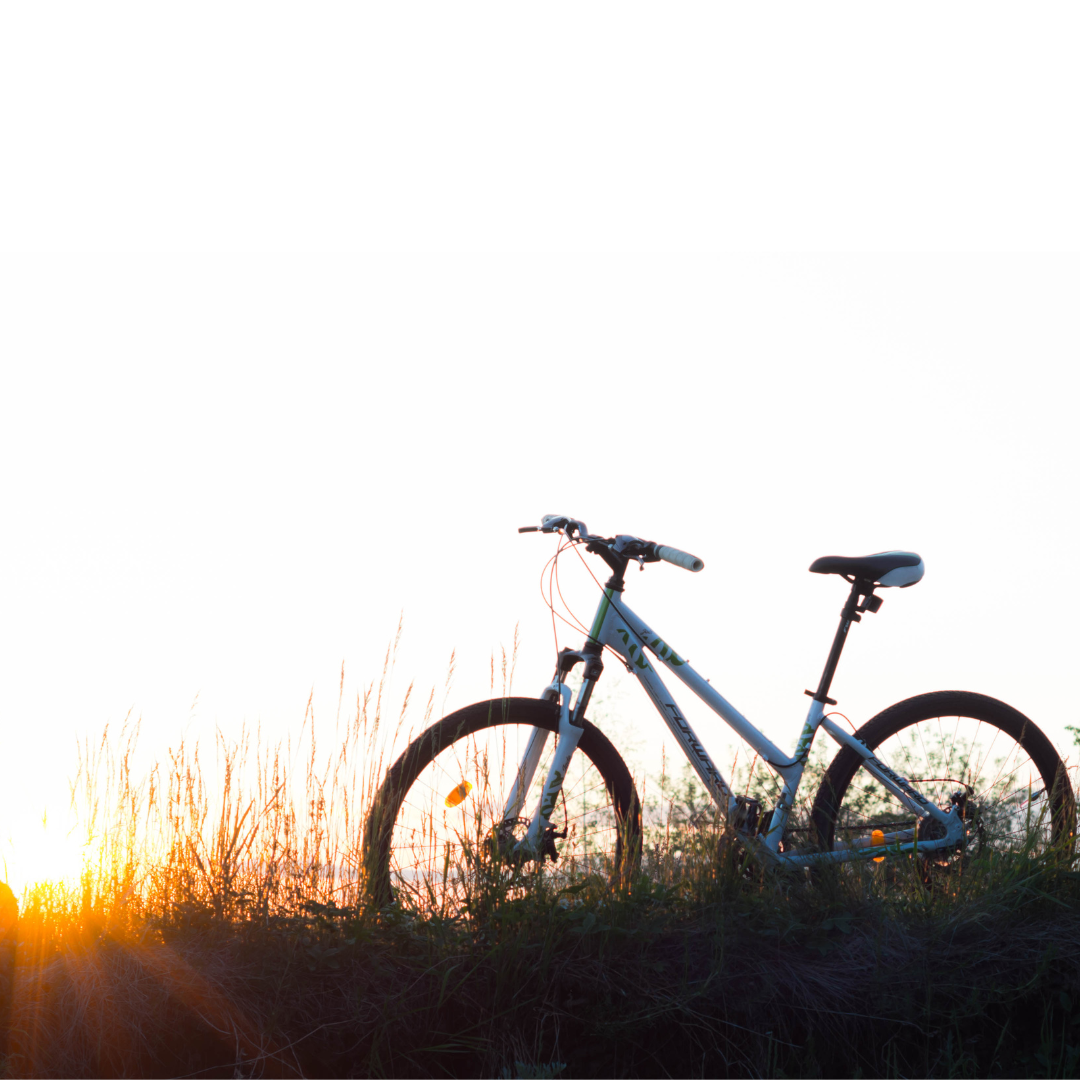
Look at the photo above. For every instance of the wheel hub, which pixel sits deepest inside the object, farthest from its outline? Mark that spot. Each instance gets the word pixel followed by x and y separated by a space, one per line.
pixel 504 844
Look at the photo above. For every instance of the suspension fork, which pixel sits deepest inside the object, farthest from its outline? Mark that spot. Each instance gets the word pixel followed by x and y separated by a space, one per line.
pixel 569 737
pixel 571 726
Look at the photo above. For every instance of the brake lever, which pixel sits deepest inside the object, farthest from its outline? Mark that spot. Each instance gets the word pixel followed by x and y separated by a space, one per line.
pixel 555 522
pixel 633 547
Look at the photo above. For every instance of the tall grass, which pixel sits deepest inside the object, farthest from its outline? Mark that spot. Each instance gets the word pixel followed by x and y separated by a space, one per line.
pixel 218 927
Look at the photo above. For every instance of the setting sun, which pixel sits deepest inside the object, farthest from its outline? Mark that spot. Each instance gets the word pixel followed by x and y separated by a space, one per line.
pixel 39 850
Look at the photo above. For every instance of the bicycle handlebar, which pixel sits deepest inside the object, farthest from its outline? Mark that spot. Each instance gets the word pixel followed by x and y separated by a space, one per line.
pixel 679 558
pixel 626 546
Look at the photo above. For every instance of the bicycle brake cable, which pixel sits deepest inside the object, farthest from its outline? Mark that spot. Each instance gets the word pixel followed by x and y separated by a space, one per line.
pixel 549 597
pixel 580 625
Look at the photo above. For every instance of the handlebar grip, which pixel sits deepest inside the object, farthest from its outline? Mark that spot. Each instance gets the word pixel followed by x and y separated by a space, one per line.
pixel 679 558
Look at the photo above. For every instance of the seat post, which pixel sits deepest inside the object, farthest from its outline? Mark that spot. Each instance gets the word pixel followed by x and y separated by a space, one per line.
pixel 848 614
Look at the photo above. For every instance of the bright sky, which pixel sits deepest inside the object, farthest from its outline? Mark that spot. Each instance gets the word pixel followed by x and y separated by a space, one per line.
pixel 303 312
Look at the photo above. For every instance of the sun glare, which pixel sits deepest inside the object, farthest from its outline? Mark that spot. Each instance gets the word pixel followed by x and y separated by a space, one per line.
pixel 45 849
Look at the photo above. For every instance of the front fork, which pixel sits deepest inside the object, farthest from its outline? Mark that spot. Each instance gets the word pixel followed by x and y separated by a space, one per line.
pixel 571 725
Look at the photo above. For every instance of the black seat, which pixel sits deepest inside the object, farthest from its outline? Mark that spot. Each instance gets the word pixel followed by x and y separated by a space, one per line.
pixel 900 568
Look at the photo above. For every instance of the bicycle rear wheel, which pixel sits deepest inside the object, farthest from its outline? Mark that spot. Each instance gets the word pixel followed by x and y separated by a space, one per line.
pixel 435 832
pixel 957 749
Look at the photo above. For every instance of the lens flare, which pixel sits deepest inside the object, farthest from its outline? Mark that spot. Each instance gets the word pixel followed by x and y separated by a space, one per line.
pixel 458 795
pixel 877 838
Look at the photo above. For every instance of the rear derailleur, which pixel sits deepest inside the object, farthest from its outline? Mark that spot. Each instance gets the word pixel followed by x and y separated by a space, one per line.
pixel 930 829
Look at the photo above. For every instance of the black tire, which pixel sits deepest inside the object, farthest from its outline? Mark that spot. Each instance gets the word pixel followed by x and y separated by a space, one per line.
pixel 412 842
pixel 945 743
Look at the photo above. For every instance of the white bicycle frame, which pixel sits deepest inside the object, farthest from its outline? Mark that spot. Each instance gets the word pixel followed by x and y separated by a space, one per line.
pixel 619 628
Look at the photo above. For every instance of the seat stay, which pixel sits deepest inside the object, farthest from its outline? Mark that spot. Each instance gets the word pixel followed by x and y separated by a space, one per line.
pixel 892 781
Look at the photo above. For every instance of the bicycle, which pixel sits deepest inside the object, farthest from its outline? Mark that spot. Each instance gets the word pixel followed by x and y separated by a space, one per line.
pixel 918 779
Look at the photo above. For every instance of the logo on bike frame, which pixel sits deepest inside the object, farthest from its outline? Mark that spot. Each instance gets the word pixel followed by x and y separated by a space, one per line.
pixel 551 795
pixel 661 648
pixel 698 750
pixel 898 780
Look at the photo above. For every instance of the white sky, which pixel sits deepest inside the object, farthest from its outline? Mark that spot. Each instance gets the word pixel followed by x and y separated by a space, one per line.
pixel 301 315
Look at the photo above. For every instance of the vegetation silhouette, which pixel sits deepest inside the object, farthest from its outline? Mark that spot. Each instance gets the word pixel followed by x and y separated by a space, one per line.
pixel 219 927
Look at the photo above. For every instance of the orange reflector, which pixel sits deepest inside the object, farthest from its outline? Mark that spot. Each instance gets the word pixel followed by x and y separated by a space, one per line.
pixel 877 838
pixel 457 796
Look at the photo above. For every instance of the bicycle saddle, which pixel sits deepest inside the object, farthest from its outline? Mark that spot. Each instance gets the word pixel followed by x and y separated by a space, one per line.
pixel 902 568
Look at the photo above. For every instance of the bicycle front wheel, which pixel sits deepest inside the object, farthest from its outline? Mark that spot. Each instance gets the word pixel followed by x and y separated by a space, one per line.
pixel 961 751
pixel 436 830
